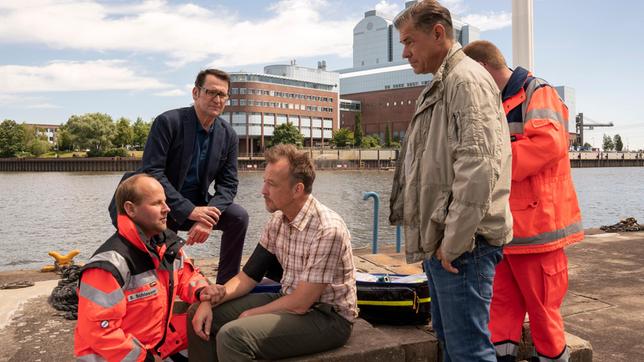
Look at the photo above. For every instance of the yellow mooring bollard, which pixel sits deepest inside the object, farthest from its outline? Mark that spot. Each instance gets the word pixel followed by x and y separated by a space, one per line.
pixel 60 260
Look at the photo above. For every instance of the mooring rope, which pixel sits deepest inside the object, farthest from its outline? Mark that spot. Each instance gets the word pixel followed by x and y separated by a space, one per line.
pixel 628 224
pixel 63 297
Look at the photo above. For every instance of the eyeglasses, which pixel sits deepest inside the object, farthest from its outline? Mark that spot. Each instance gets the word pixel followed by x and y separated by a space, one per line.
pixel 213 93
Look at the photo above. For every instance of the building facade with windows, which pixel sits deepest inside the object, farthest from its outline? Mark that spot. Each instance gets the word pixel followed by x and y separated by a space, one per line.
pixel 50 131
pixel 381 81
pixel 304 97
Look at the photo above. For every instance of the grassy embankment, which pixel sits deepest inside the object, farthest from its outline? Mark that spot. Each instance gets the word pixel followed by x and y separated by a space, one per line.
pixel 137 154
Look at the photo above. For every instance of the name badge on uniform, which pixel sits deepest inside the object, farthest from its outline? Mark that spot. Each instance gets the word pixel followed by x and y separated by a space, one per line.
pixel 143 294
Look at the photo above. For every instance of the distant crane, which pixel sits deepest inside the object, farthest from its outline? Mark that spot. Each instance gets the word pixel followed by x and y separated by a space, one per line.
pixel 580 124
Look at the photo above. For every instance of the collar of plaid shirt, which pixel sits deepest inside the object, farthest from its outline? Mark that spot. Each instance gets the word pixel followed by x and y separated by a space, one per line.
pixel 303 216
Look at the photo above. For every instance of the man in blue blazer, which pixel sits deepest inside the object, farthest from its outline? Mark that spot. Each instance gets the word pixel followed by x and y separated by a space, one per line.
pixel 189 148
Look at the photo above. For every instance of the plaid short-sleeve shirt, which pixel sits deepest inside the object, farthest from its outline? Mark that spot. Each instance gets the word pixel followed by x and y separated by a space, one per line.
pixel 315 247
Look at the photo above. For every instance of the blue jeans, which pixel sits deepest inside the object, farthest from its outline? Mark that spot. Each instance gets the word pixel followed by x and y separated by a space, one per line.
pixel 460 304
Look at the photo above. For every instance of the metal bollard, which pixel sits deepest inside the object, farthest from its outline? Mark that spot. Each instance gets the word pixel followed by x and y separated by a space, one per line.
pixel 376 207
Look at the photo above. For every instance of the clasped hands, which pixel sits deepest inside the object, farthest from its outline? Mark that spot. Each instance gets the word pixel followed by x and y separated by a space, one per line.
pixel 213 293
pixel 205 218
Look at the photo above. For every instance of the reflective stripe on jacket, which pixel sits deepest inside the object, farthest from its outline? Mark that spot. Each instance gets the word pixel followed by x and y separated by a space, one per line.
pixel 452 177
pixel 543 199
pixel 126 296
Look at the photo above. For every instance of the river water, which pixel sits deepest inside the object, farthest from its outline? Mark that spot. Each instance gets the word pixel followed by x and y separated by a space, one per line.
pixel 40 212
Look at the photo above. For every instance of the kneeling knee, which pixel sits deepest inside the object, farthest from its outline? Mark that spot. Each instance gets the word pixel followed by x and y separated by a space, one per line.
pixel 239 214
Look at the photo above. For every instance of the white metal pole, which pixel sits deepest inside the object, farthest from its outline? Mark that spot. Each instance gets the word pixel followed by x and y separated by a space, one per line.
pixel 522 45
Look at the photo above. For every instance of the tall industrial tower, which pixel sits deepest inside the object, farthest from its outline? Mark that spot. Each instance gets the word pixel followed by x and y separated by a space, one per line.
pixel 522 46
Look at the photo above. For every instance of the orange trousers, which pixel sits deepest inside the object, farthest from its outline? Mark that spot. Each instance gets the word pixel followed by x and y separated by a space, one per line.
pixel 535 284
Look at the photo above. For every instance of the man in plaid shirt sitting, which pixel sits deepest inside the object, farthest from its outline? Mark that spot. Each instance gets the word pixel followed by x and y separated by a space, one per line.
pixel 316 307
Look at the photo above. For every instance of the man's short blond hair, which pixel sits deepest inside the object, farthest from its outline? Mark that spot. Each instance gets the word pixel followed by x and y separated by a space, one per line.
pixel 301 167
pixel 487 53
pixel 128 191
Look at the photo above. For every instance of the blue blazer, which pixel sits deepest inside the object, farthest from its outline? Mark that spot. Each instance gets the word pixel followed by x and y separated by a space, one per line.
pixel 168 156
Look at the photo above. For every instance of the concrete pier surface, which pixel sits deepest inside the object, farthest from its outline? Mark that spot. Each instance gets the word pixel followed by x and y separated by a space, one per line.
pixel 604 308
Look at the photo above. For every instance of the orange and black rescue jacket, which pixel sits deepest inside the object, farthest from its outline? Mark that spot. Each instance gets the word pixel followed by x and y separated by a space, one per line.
pixel 542 198
pixel 126 297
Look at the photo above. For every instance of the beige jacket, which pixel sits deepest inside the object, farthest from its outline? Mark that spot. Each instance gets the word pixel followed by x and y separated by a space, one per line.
pixel 452 179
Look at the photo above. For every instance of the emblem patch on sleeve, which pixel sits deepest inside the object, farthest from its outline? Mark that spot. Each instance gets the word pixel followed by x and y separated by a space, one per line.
pixel 105 324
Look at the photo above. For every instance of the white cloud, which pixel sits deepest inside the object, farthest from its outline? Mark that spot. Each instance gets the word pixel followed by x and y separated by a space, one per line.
pixel 456 7
pixel 26 101
pixel 183 33
pixel 171 93
pixel 43 106
pixel 489 21
pixel 387 9
pixel 483 21
pixel 74 76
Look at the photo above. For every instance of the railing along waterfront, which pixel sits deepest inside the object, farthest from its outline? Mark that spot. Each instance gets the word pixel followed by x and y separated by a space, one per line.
pixel 325 159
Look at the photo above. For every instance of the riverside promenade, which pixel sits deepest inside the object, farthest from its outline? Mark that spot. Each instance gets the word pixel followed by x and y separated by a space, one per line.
pixel 325 159
pixel 604 308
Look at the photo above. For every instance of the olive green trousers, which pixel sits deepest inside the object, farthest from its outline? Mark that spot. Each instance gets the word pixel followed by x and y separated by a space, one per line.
pixel 266 336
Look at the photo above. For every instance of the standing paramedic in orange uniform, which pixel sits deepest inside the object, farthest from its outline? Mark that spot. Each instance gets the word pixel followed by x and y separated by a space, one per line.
pixel 128 288
pixel 533 276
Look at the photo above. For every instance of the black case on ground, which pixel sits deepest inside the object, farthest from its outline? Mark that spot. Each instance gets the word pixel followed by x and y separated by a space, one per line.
pixel 385 302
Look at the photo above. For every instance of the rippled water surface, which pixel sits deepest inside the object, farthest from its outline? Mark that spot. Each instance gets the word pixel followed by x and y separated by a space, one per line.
pixel 40 212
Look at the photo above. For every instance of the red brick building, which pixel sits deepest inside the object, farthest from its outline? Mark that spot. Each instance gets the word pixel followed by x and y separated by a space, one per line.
pixel 393 107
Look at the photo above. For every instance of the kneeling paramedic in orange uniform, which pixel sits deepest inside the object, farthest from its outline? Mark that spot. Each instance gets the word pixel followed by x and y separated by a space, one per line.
pixel 533 276
pixel 128 288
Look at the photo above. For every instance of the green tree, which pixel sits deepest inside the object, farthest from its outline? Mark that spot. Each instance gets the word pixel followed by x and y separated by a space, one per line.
pixel 288 134
pixel 617 140
pixel 372 141
pixel 93 131
pixel 124 135
pixel 39 147
pixel 388 139
pixel 140 129
pixel 29 132
pixel 342 137
pixel 587 146
pixel 608 144
pixel 64 140
pixel 35 141
pixel 357 130
pixel 12 138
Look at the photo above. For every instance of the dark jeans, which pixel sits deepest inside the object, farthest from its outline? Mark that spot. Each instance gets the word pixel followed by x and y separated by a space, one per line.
pixel 460 304
pixel 267 336
pixel 233 223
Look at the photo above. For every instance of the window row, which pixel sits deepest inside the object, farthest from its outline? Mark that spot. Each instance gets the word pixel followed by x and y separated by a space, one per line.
pixel 303 107
pixel 402 85
pixel 266 92
pixel 398 103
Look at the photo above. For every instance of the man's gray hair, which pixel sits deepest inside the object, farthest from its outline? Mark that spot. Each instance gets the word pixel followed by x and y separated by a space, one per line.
pixel 424 15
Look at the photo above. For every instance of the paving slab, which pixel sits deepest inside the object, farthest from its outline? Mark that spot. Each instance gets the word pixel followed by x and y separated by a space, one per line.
pixel 605 302
pixel 395 263
pixel 12 299
pixel 366 344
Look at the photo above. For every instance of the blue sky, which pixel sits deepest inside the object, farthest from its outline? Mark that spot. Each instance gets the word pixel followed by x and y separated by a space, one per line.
pixel 139 58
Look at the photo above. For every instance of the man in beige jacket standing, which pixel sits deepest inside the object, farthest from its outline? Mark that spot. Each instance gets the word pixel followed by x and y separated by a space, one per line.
pixel 452 182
